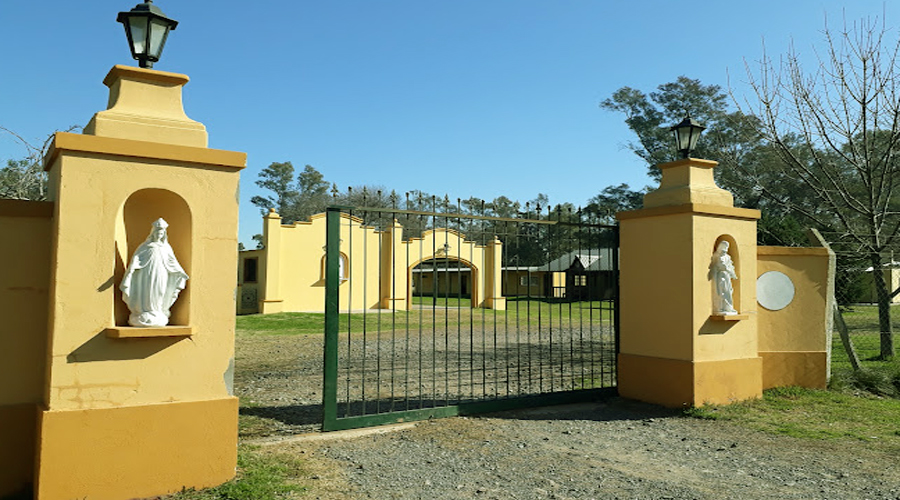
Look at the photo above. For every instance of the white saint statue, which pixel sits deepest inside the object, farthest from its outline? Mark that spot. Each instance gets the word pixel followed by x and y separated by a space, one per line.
pixel 721 271
pixel 153 280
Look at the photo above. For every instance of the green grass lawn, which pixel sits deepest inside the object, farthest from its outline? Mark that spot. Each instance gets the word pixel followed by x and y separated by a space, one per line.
pixel 260 476
pixel 860 406
pixel 442 301
pixel 877 376
pixel 862 322
pixel 447 313
pixel 815 414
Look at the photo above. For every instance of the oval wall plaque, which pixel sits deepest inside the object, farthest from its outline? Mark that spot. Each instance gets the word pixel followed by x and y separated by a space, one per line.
pixel 774 290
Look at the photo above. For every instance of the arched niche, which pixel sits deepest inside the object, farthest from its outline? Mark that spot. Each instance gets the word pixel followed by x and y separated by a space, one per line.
pixel 133 226
pixel 735 254
pixel 343 268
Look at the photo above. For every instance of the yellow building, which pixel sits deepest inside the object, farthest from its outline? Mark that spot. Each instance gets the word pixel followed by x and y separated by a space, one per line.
pixel 378 269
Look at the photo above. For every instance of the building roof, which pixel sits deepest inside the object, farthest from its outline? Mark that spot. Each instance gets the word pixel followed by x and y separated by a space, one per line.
pixel 596 259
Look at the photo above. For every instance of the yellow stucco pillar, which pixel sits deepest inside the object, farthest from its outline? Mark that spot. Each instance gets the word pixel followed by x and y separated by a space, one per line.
pixel 136 412
pixel 393 287
pixel 493 269
pixel 271 299
pixel 674 350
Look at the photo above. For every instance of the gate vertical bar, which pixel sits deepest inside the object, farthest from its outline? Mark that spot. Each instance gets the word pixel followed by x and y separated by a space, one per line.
pixel 615 260
pixel 332 316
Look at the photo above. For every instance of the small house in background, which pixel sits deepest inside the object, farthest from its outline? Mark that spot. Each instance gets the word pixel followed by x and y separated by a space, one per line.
pixel 869 292
pixel 577 275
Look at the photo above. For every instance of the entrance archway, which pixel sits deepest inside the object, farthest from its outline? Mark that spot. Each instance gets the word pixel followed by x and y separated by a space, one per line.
pixel 443 282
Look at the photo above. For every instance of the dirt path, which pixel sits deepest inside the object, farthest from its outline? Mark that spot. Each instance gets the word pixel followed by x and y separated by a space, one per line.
pixel 603 450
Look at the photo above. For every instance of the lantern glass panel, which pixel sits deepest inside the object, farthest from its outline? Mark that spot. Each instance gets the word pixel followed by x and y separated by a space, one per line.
pixel 693 136
pixel 138 34
pixel 158 30
pixel 682 138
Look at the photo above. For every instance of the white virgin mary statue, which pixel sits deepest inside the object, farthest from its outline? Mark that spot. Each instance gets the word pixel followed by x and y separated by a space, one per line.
pixel 721 271
pixel 153 280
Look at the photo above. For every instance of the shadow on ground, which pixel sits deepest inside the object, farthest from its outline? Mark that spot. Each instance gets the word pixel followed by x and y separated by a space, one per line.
pixel 601 410
pixel 308 418
pixel 292 415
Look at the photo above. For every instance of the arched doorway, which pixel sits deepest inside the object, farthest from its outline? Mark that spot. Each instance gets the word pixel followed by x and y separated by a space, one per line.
pixel 443 282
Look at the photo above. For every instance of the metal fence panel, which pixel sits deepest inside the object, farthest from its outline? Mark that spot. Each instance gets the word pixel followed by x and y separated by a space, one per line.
pixel 445 337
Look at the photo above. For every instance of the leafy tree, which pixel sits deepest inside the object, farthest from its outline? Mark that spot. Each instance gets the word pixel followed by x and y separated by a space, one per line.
pixel 313 194
pixel 650 117
pixel 506 231
pixel 279 179
pixel 293 199
pixel 415 224
pixel 785 230
pixel 731 138
pixel 362 197
pixel 836 131
pixel 603 207
pixel 502 206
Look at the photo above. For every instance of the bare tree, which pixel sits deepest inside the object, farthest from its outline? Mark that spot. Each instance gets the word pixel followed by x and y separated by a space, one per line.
pixel 836 130
pixel 24 179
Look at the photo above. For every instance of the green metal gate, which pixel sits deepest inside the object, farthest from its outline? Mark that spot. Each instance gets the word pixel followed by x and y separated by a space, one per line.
pixel 432 344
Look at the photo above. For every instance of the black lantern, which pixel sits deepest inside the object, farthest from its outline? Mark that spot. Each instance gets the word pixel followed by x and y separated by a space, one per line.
pixel 686 134
pixel 146 28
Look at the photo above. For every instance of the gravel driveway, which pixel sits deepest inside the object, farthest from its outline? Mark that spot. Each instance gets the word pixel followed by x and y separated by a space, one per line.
pixel 279 378
pixel 603 450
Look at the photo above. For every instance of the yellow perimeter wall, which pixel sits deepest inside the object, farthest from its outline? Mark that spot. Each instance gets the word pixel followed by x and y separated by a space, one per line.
pixel 376 265
pixel 25 254
pixel 795 342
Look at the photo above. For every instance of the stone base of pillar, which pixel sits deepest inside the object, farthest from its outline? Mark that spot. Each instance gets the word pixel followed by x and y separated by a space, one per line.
pixel 136 451
pixel 680 384
pixel 496 303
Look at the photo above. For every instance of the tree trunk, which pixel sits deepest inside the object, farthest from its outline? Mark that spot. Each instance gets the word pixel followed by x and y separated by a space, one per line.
pixel 884 308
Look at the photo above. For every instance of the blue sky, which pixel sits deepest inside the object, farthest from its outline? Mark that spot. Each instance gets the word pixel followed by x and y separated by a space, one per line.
pixel 467 98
